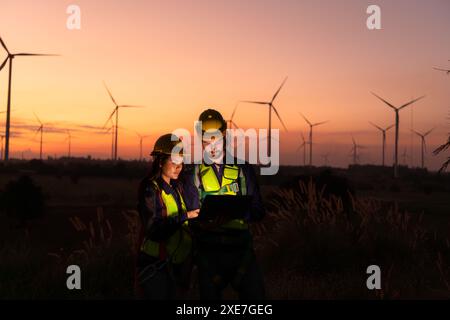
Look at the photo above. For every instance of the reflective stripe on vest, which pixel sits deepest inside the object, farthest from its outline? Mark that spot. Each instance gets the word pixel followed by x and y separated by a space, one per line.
pixel 179 245
pixel 229 186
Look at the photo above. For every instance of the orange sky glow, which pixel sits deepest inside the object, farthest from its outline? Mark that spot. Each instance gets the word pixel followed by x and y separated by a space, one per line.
pixel 178 57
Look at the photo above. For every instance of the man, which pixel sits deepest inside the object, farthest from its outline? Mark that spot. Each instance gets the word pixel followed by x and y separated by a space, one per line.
pixel 225 253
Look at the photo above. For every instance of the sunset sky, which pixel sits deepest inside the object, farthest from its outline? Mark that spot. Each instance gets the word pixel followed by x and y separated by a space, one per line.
pixel 178 57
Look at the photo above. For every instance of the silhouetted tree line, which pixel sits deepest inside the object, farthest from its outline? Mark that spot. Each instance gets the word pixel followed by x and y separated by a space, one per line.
pixel 78 169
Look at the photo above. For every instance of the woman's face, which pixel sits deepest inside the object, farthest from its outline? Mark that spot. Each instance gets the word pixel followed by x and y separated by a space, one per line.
pixel 171 169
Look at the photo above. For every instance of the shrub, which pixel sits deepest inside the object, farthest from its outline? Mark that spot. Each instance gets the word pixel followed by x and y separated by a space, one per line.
pixel 23 200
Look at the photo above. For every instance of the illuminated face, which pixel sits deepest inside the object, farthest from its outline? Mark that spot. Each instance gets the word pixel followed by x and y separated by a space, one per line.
pixel 172 168
pixel 213 146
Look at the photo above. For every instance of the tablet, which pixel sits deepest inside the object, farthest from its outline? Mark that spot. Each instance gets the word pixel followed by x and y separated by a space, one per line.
pixel 232 207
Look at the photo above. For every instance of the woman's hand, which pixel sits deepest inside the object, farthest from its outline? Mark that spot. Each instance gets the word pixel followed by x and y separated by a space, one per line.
pixel 193 214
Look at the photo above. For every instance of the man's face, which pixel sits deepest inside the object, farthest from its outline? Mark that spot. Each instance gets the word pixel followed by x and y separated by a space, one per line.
pixel 213 146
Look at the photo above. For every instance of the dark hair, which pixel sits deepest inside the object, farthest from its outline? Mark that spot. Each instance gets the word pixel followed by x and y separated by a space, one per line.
pixel 157 163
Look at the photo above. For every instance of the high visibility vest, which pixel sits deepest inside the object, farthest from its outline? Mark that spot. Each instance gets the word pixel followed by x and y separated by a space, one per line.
pixel 179 245
pixel 228 186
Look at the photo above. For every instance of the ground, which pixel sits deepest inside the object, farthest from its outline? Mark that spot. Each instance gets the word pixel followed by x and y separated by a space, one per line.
pixel 308 246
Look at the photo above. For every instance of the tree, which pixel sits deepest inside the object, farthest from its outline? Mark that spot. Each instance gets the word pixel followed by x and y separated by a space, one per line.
pixel 23 200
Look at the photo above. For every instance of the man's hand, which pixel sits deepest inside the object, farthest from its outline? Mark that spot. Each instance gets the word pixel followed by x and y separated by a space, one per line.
pixel 193 214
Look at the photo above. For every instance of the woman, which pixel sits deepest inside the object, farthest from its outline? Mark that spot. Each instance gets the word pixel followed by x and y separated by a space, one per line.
pixel 164 260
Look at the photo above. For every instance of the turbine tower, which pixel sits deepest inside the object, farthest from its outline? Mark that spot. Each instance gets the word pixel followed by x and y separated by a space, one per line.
pixel 423 144
pixel 303 145
pixel 311 126
pixel 383 144
pixel 41 130
pixel 69 140
pixel 397 123
pixel 271 107
pixel 11 57
pixel 354 151
pixel 116 112
pixel 141 138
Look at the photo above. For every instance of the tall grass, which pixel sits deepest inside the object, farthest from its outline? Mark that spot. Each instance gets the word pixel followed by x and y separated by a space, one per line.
pixel 106 262
pixel 314 248
pixel 310 246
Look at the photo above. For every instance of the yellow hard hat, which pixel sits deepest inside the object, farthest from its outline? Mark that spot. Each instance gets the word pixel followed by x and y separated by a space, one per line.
pixel 212 120
pixel 165 145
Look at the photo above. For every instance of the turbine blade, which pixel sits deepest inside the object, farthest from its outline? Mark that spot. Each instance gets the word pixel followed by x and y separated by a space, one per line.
pixel 37 118
pixel 420 135
pixel 4 62
pixel 4 45
pixel 390 105
pixel 128 106
pixel 445 70
pixel 234 124
pixel 36 54
pixel 110 95
pixel 375 126
pixel 276 93
pixel 428 132
pixel 234 111
pixel 391 126
pixel 319 123
pixel 257 102
pixel 411 102
pixel 109 118
pixel 278 115
pixel 305 119
pixel 36 132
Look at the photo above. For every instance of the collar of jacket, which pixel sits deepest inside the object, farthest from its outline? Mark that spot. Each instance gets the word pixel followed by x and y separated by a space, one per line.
pixel 168 188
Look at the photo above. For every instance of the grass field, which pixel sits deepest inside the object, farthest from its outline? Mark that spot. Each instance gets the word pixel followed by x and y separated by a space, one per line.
pixel 310 245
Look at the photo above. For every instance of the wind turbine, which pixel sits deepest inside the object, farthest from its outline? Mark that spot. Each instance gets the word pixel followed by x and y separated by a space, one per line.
pixel 11 57
pixel 116 112
pixel 423 144
pixel 311 125
pixel 447 71
pixel 41 130
pixel 141 138
pixel 397 122
pixel 271 106
pixel 383 139
pixel 69 139
pixel 303 145
pixel 354 151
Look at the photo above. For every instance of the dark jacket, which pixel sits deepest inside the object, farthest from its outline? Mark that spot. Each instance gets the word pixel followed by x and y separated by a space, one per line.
pixel 157 226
